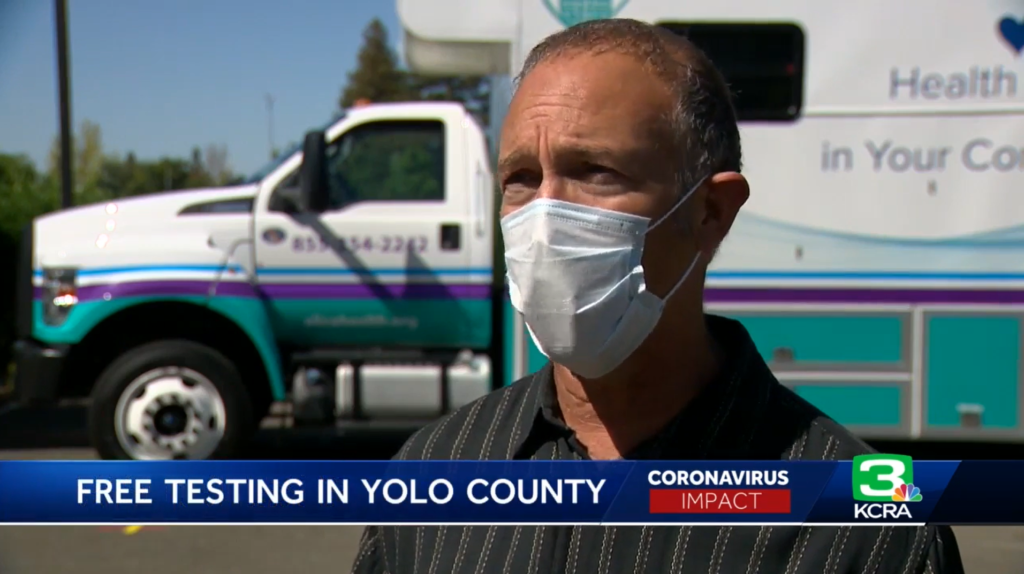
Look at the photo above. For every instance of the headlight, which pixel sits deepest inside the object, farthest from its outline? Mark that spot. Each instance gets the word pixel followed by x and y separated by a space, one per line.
pixel 60 295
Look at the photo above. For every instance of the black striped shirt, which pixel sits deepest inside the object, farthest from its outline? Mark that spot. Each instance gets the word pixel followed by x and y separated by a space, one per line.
pixel 746 415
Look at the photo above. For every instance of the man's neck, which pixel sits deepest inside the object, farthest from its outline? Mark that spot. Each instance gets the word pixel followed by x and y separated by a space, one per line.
pixel 613 415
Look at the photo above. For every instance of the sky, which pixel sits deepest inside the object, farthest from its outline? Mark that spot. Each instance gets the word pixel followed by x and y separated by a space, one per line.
pixel 162 76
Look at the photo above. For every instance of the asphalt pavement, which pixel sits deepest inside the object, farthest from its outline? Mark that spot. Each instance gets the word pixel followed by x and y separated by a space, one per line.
pixel 58 434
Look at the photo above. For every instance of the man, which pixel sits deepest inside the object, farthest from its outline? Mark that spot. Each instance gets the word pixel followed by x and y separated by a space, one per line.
pixel 619 168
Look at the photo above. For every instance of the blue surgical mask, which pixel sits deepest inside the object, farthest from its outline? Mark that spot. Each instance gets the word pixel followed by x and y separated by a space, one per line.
pixel 575 274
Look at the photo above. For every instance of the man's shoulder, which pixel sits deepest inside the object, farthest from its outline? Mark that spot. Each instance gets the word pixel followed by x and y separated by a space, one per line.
pixel 487 428
pixel 817 436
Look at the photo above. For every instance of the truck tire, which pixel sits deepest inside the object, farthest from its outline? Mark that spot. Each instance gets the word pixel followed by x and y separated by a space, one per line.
pixel 170 400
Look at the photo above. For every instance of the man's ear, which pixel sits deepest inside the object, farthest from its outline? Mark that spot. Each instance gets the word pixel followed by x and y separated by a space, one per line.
pixel 726 193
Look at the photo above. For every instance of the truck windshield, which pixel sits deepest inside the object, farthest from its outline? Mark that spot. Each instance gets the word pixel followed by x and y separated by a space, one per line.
pixel 282 157
pixel 288 152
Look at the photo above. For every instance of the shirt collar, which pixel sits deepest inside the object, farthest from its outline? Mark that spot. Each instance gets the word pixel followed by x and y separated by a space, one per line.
pixel 718 424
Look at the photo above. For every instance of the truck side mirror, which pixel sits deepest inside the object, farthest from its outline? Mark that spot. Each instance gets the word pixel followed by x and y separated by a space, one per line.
pixel 313 173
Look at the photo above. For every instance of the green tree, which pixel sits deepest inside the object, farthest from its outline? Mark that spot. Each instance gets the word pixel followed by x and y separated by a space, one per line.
pixel 215 161
pixel 130 177
pixel 24 194
pixel 197 174
pixel 86 165
pixel 377 76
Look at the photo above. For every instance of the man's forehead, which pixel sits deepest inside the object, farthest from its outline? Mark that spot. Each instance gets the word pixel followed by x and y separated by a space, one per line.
pixel 600 80
pixel 605 96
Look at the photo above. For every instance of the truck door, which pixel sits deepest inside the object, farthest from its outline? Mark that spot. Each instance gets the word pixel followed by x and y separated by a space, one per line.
pixel 387 264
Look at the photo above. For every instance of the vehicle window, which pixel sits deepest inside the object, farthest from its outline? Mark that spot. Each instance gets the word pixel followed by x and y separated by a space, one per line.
pixel 286 154
pixel 763 64
pixel 240 205
pixel 387 161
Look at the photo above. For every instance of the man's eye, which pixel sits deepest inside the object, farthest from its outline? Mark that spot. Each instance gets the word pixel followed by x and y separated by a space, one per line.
pixel 513 189
pixel 519 181
pixel 600 174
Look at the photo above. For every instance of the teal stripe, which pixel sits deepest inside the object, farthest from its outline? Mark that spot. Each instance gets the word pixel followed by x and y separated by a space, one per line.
pixel 426 323
pixel 247 313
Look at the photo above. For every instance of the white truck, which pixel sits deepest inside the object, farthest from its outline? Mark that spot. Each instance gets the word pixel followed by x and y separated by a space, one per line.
pixel 879 264
pixel 354 278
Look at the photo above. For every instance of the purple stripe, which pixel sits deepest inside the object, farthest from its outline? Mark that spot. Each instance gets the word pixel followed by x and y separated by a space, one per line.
pixel 478 291
pixel 281 291
pixel 377 291
pixel 839 295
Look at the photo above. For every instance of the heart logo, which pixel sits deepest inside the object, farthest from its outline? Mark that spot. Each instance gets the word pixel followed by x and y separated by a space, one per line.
pixel 572 12
pixel 1012 30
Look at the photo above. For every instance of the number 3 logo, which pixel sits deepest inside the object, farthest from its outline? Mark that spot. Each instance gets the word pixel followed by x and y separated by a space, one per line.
pixel 876 476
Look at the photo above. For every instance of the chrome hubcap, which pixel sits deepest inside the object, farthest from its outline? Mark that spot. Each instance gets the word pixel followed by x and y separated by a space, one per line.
pixel 170 413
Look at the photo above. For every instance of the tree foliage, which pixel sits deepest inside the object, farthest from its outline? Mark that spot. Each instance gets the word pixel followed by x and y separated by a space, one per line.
pixel 26 192
pixel 379 78
pixel 100 176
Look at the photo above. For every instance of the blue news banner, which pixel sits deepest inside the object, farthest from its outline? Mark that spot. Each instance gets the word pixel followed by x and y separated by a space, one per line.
pixel 872 489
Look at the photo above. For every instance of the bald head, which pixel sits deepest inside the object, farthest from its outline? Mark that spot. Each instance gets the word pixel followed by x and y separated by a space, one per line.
pixel 700 121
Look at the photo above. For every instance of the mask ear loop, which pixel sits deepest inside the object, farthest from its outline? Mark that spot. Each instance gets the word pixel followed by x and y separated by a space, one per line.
pixel 696 257
pixel 685 276
pixel 681 201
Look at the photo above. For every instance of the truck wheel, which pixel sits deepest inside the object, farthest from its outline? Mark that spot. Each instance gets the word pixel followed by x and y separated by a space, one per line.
pixel 170 400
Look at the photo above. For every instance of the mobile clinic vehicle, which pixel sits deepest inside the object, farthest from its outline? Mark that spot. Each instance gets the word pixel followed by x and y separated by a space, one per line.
pixel 353 277
pixel 879 263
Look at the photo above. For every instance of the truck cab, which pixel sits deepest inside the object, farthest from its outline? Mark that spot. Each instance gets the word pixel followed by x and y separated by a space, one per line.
pixel 353 277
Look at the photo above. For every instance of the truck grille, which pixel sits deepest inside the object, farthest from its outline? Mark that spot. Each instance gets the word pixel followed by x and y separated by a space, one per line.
pixel 24 291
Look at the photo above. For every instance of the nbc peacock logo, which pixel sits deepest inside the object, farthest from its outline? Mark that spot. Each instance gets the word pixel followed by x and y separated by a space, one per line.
pixel 906 493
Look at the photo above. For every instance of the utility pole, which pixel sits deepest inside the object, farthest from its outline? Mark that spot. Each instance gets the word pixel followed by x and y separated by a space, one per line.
pixel 270 124
pixel 64 81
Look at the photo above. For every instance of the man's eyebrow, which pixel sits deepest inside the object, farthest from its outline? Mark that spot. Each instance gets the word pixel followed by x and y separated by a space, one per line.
pixel 513 160
pixel 624 159
pixel 631 156
pixel 589 152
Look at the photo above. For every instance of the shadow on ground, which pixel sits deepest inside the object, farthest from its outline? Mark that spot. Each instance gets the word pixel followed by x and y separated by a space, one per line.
pixel 65 427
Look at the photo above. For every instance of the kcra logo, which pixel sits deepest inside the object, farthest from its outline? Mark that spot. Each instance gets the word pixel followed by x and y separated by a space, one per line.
pixel 883 483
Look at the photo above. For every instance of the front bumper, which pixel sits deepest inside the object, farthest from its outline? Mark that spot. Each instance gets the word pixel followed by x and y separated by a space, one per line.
pixel 37 367
pixel 37 371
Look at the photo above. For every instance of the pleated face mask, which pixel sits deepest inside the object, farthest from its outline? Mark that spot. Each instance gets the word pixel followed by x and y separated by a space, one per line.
pixel 575 274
